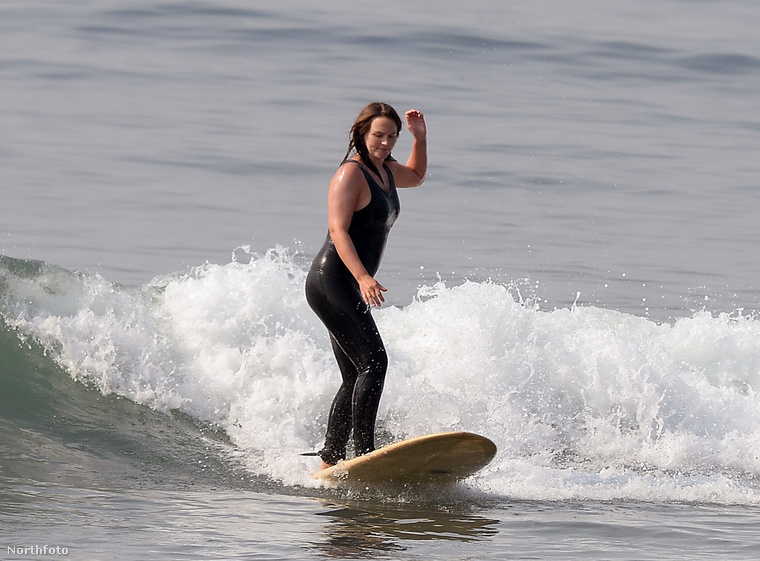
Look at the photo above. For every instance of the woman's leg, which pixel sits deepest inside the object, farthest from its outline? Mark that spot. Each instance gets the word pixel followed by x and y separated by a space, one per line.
pixel 363 363
pixel 339 422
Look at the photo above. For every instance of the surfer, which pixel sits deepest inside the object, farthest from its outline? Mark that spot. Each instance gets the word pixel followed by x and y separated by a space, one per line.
pixel 362 205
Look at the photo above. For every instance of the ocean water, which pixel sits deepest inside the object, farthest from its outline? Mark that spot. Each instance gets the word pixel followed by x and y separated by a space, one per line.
pixel 577 279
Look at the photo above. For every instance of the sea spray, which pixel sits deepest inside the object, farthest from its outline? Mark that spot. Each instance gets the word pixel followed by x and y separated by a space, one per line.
pixel 583 402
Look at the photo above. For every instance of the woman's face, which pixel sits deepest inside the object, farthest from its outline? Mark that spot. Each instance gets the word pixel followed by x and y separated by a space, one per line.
pixel 381 138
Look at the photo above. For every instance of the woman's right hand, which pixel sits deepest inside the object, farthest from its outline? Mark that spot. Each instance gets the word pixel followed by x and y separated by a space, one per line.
pixel 372 291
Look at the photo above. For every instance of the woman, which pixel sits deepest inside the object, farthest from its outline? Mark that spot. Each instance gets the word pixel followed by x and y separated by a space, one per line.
pixel 362 206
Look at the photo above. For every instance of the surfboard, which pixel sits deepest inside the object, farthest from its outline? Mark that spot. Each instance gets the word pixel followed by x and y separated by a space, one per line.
pixel 436 458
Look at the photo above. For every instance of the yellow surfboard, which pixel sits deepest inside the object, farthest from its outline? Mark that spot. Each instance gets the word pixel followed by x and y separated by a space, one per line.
pixel 437 458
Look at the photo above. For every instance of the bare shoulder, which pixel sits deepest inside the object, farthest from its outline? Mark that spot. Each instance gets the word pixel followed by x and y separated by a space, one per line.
pixel 348 174
pixel 349 185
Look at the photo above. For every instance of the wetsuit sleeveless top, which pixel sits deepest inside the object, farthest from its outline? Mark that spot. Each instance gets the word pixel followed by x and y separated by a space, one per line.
pixel 334 295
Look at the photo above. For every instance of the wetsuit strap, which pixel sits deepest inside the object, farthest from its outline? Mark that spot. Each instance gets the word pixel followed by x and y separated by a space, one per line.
pixel 368 175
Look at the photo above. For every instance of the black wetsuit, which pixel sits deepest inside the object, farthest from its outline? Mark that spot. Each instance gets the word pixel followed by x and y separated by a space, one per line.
pixel 334 295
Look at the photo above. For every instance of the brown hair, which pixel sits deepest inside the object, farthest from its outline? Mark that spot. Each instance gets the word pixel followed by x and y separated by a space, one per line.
pixel 362 126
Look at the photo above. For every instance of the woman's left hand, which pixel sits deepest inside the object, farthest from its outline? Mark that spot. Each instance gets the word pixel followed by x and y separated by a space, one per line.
pixel 415 122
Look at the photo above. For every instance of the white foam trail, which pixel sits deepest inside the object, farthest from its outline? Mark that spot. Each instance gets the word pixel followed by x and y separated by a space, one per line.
pixel 583 403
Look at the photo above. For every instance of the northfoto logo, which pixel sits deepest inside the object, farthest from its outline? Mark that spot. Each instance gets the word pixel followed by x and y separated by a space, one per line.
pixel 37 550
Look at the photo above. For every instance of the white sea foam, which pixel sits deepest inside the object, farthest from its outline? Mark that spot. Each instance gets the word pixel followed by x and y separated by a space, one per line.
pixel 582 402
